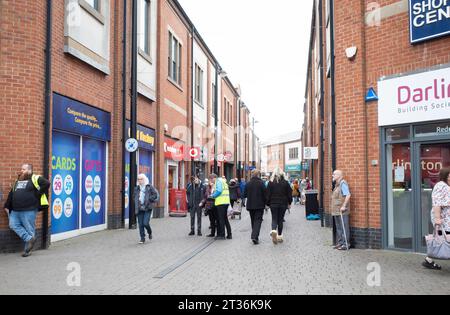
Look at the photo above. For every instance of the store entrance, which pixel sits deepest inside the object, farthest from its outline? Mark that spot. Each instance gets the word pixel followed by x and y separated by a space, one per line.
pixel 413 175
pixel 432 158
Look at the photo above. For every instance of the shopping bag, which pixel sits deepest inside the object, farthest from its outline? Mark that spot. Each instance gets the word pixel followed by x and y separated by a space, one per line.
pixel 438 246
pixel 230 211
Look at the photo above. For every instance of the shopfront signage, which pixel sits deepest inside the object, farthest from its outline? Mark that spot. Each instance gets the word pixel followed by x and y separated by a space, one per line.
pixel 75 117
pixel 293 168
pixel 173 150
pixel 311 153
pixel 428 19
pixel 414 98
pixel 145 136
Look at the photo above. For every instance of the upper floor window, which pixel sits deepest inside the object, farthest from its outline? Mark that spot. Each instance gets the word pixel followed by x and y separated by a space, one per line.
pixel 293 154
pixel 174 59
pixel 198 84
pixel 95 4
pixel 213 102
pixel 228 112
pixel 145 26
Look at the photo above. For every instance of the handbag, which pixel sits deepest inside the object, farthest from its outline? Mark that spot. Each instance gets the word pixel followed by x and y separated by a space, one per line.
pixel 438 247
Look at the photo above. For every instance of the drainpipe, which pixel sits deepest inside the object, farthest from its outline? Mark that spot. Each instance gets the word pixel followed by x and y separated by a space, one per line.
pixel 216 120
pixel 124 105
pixel 322 117
pixel 133 165
pixel 48 95
pixel 333 88
pixel 366 120
pixel 192 97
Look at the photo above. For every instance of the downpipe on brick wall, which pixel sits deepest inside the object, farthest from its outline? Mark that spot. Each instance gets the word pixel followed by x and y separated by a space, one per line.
pixel 322 117
pixel 48 93
pixel 366 127
pixel 124 106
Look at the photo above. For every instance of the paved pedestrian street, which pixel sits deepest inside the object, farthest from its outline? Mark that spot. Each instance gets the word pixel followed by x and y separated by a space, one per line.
pixel 112 262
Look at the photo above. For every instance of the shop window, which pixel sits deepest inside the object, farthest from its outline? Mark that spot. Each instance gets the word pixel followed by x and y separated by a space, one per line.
pixel 398 134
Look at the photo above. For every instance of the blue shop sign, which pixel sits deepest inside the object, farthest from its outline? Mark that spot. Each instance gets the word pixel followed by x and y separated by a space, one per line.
pixel 145 136
pixel 75 117
pixel 428 19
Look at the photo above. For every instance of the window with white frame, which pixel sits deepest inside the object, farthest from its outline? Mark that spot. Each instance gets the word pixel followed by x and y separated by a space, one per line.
pixel 198 85
pixel 145 27
pixel 293 154
pixel 174 59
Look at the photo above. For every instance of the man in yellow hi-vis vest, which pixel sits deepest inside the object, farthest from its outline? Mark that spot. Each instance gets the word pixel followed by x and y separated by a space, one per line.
pixel 24 201
pixel 221 195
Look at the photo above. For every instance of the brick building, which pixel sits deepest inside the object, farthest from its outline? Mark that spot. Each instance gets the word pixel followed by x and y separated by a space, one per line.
pixel 283 152
pixel 377 107
pixel 65 82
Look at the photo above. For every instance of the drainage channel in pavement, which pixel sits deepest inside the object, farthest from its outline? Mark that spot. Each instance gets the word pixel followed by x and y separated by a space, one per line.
pixel 180 262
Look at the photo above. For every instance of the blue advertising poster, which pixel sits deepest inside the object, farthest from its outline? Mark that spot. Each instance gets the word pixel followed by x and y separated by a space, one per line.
pixel 75 117
pixel 145 136
pixel 146 164
pixel 93 183
pixel 65 182
pixel 428 19
pixel 127 186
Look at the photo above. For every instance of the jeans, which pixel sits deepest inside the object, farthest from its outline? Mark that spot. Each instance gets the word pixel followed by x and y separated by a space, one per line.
pixel 256 217
pixel 144 223
pixel 278 214
pixel 23 223
pixel 196 211
pixel 340 236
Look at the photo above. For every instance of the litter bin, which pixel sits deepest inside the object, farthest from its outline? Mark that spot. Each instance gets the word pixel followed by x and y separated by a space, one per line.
pixel 312 204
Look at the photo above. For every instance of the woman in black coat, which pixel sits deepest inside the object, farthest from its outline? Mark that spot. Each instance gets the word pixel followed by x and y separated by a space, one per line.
pixel 279 198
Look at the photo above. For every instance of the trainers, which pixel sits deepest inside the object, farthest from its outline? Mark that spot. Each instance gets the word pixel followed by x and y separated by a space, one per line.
pixel 229 237
pixel 274 235
pixel 30 245
pixel 192 233
pixel 141 242
pixel 280 239
pixel 431 265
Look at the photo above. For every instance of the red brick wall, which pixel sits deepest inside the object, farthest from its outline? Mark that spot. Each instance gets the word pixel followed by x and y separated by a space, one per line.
pixel 22 64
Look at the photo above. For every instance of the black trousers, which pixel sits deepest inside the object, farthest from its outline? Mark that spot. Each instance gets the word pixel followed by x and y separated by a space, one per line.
pixel 222 219
pixel 196 211
pixel 278 214
pixel 256 217
pixel 212 214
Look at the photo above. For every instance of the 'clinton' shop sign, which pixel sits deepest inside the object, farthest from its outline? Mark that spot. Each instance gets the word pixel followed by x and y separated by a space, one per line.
pixel 428 19
pixel 414 98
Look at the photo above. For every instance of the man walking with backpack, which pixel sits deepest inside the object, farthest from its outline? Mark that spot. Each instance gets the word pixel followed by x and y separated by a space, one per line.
pixel 26 198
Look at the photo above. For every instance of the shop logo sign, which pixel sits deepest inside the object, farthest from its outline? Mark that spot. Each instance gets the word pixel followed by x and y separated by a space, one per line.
pixel 429 19
pixel 414 98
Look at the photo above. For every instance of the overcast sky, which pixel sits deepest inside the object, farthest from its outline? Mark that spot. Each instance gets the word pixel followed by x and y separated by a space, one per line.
pixel 263 46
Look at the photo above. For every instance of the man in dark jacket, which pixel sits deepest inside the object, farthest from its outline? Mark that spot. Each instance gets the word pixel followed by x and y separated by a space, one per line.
pixel 196 195
pixel 24 201
pixel 256 202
